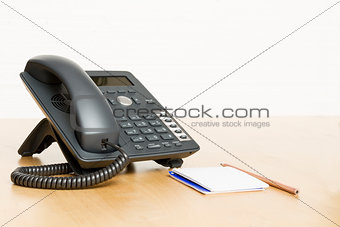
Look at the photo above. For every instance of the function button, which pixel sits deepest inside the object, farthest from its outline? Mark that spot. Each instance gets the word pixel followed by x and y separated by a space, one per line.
pixel 167 145
pixel 134 117
pixel 173 125
pixel 146 130
pixel 155 123
pixel 178 131
pixel 121 91
pixel 167 137
pixel 126 125
pixel 136 100
pixel 153 146
pixel 131 132
pixel 150 116
pixel 139 147
pixel 183 136
pixel 178 144
pixel 112 101
pixel 137 139
pixel 161 130
pixel 111 91
pixel 141 124
pixel 124 100
pixel 162 114
pixel 131 91
pixel 168 120
pixel 152 138
pixel 149 101
pixel 121 119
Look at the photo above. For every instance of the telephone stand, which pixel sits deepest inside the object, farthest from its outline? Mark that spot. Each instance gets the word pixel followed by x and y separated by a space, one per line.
pixel 41 137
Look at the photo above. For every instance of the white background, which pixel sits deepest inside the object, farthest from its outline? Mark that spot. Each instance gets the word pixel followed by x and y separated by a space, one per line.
pixel 179 48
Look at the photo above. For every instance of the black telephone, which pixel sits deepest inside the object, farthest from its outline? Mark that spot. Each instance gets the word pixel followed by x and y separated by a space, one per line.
pixel 102 121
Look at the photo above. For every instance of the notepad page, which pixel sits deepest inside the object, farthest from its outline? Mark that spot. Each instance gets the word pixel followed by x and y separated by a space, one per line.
pixel 221 179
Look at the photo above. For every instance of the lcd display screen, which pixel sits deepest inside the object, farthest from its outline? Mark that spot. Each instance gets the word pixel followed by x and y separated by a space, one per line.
pixel 111 81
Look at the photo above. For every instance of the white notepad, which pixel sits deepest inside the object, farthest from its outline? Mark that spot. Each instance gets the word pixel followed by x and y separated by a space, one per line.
pixel 217 179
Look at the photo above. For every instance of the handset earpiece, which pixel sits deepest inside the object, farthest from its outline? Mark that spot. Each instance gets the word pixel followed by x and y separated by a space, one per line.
pixel 91 115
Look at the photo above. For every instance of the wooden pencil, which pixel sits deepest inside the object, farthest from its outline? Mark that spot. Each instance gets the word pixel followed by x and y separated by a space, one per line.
pixel 268 181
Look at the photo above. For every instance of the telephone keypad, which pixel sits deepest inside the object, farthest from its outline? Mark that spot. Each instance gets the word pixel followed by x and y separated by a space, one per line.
pixel 157 128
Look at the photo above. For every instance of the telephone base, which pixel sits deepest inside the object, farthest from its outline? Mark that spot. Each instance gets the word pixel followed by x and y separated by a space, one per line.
pixel 43 135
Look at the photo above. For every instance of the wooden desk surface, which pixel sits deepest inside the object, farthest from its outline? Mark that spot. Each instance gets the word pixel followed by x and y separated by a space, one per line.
pixel 299 151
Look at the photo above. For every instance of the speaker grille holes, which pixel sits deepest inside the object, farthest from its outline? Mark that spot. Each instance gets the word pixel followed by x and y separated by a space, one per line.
pixel 61 102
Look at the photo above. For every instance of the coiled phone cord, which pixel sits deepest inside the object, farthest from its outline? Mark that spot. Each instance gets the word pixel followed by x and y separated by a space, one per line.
pixel 42 176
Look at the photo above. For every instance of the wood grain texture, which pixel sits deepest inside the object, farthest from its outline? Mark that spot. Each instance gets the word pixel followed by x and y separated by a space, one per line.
pixel 300 151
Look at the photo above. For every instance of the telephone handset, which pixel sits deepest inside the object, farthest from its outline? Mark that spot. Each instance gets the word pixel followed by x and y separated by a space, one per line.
pixel 101 120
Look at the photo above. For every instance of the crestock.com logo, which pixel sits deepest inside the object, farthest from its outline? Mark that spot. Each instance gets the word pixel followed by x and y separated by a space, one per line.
pixel 227 117
pixel 200 116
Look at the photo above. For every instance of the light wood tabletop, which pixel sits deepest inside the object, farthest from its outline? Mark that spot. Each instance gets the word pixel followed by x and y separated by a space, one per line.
pixel 303 152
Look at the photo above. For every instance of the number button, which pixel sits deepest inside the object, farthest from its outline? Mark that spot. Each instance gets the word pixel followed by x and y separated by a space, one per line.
pixel 152 138
pixel 161 130
pixel 155 123
pixel 112 101
pixel 167 137
pixel 126 125
pixel 121 119
pixel 150 116
pixel 136 100
pixel 146 130
pixel 141 124
pixel 137 139
pixel 149 101
pixel 139 147
pixel 131 132
pixel 134 117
